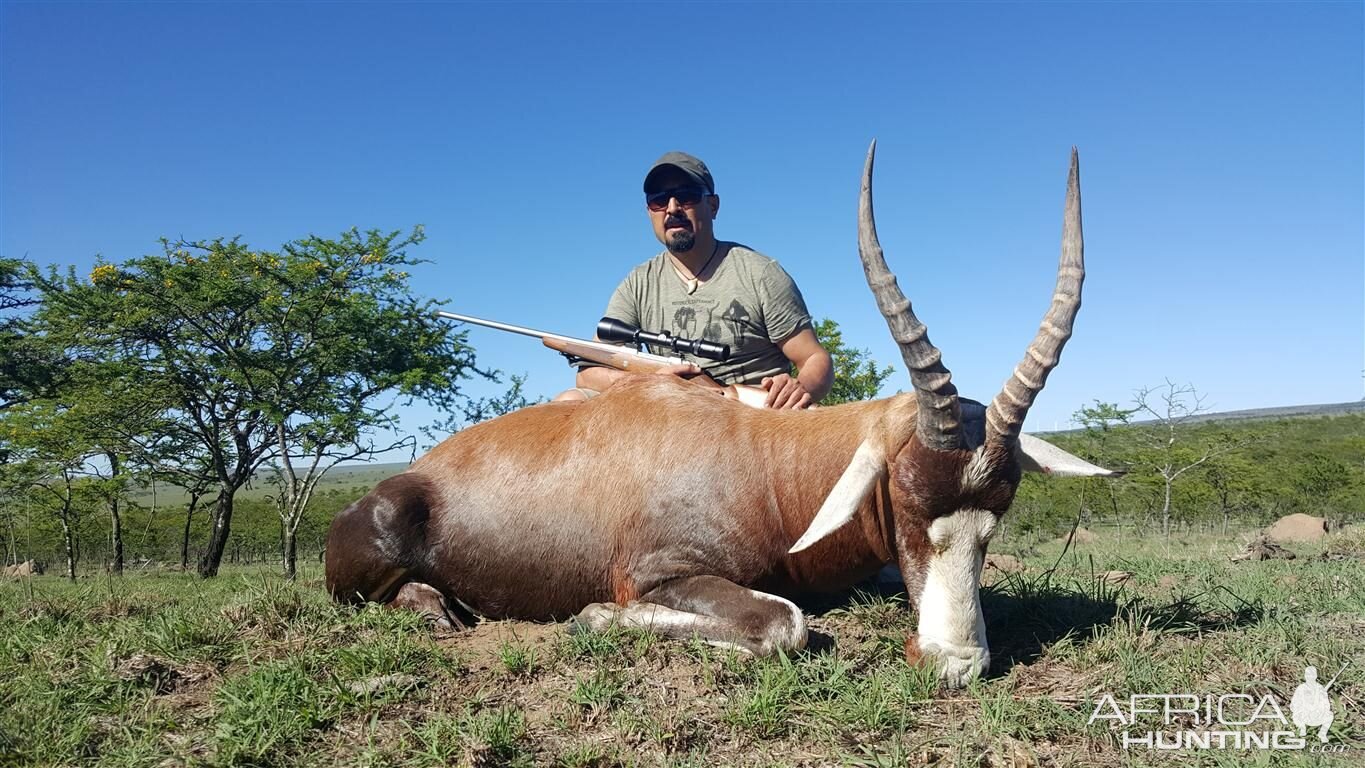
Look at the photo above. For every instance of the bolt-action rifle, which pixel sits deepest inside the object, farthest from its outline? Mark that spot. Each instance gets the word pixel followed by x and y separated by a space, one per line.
pixel 627 359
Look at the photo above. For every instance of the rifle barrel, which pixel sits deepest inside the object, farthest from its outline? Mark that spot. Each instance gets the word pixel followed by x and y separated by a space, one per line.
pixel 542 335
pixel 503 326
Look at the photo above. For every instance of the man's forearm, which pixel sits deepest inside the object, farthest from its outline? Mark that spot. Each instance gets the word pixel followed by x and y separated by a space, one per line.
pixel 817 376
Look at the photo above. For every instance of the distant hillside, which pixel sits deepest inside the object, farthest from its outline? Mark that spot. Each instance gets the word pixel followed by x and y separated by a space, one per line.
pixel 365 473
pixel 359 478
pixel 1282 412
pixel 1262 414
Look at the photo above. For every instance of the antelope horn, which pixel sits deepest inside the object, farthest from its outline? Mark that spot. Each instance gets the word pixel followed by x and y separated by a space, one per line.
pixel 1006 413
pixel 939 423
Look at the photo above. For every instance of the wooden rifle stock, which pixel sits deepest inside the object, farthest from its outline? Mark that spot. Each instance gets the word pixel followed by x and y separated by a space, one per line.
pixel 628 360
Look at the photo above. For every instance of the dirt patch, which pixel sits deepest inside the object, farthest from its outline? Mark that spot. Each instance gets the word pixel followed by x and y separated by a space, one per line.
pixel 1298 527
pixel 394 682
pixel 159 674
pixel 483 642
pixel 1000 567
pixel 1003 563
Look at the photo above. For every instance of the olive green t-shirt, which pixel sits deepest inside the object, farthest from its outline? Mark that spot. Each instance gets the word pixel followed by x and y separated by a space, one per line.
pixel 749 303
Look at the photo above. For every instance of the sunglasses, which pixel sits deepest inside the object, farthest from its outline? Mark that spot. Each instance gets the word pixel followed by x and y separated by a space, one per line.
pixel 686 197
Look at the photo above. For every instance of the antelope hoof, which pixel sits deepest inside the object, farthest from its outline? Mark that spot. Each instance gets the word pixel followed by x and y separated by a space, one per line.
pixel 957 665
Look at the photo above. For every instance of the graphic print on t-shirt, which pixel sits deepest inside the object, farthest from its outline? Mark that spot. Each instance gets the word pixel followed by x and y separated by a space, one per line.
pixel 696 319
pixel 738 318
pixel 685 322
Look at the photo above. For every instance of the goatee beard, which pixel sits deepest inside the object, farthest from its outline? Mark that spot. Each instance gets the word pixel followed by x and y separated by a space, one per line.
pixel 682 242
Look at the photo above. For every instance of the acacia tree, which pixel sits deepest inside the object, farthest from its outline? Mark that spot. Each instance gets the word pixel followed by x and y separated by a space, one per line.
pixel 165 454
pixel 15 286
pixel 14 492
pixel 1317 479
pixel 49 457
pixel 112 418
pixel 856 374
pixel 93 408
pixel 26 369
pixel 346 329
pixel 1173 451
pixel 242 341
pixel 1099 422
pixel 474 410
pixel 1101 419
pixel 1234 482
pixel 189 469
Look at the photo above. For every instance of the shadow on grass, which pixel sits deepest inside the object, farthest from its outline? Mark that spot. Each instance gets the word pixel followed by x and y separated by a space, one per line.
pixel 1027 614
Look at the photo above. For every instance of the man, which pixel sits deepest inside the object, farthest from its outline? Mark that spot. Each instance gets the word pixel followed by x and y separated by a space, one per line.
pixel 701 287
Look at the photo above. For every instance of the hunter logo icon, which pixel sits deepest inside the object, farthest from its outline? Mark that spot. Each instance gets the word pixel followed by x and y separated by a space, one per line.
pixel 1311 707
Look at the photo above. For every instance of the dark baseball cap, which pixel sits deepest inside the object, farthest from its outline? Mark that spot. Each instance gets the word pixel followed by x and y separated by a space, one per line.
pixel 694 168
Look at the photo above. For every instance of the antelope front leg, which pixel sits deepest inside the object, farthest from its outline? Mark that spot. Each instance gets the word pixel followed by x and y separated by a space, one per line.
pixel 952 629
pixel 718 611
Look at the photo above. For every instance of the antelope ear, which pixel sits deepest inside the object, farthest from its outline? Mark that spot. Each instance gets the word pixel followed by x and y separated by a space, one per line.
pixel 864 472
pixel 1038 456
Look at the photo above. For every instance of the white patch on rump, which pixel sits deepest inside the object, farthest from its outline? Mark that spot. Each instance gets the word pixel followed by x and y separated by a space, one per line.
pixel 951 626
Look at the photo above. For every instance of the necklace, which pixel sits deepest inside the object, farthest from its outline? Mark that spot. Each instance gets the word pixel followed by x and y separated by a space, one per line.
pixel 690 284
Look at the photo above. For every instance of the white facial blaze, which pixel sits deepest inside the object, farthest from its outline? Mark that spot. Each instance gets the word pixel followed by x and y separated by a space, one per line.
pixel 951 625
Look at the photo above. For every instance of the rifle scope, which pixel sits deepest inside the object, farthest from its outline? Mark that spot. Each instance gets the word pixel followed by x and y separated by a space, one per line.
pixel 611 329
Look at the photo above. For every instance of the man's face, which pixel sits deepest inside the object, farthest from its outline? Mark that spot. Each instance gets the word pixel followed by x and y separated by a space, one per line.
pixel 678 225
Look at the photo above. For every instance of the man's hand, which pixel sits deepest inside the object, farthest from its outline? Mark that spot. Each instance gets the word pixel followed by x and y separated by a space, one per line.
pixel 786 392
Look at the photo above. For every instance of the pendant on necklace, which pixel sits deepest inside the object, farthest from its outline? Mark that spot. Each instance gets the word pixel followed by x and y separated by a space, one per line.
pixel 690 284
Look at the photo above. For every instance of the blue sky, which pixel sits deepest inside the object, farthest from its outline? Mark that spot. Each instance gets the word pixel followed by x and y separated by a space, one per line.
pixel 1221 156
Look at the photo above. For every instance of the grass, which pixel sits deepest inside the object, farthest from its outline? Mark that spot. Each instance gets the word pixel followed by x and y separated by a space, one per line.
pixel 518 659
pixel 166 669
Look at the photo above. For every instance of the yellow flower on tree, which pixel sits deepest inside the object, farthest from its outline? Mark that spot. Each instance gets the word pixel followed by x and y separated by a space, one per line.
pixel 102 272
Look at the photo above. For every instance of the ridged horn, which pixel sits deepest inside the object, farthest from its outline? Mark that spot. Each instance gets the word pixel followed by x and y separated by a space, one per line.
pixel 1006 413
pixel 939 423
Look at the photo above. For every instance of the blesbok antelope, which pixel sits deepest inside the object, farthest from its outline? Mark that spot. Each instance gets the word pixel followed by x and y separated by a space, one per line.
pixel 662 506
